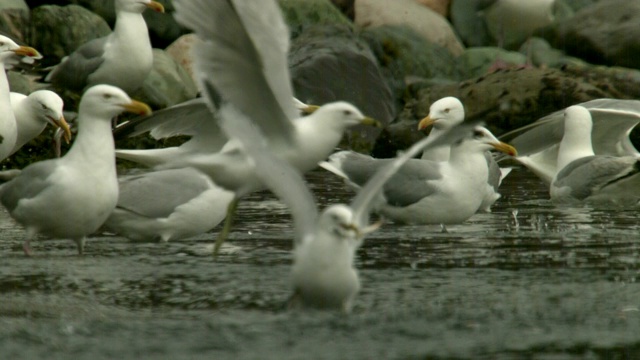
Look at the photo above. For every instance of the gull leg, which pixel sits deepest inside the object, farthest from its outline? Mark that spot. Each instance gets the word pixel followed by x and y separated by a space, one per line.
pixel 80 243
pixel 26 247
pixel 443 229
pixel 226 228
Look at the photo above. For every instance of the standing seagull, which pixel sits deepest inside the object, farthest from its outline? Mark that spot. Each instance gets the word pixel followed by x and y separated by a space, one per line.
pixel 245 44
pixel 71 197
pixel 612 122
pixel 34 112
pixel 9 50
pixel 443 115
pixel 586 177
pixel 425 191
pixel 123 58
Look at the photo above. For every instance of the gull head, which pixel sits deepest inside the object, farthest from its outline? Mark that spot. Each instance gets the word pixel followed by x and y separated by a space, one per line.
pixel 138 6
pixel 48 106
pixel 106 102
pixel 338 221
pixel 482 140
pixel 576 140
pixel 341 115
pixel 9 50
pixel 443 114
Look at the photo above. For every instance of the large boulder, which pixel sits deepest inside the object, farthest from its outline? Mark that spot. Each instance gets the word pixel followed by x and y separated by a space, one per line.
pixel 167 84
pixel 504 100
pixel 430 25
pixel 302 14
pixel 50 33
pixel 14 17
pixel 331 63
pixel 606 32
pixel 405 57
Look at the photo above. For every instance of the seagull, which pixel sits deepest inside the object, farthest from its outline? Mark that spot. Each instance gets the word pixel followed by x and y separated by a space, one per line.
pixel 245 45
pixel 10 53
pixel 590 178
pixel 191 118
pixel 70 197
pixel 122 58
pixel 34 112
pixel 612 121
pixel 323 272
pixel 167 205
pixel 425 191
pixel 445 114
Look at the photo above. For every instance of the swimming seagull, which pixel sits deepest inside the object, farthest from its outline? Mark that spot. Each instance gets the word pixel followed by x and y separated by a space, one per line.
pixel 70 197
pixel 167 205
pixel 443 115
pixel 10 53
pixel 33 112
pixel 242 55
pixel 586 177
pixel 425 191
pixel 123 58
pixel 612 122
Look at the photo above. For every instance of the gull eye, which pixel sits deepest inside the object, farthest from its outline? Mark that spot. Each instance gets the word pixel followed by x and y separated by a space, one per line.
pixel 478 134
pixel 43 106
pixel 106 96
pixel 447 110
pixel 346 112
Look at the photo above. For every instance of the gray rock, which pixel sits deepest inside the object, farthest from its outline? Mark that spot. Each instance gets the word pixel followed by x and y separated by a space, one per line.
pixel 331 63
pixel 469 23
pixel 478 61
pixel 14 17
pixel 540 53
pixel 405 57
pixel 424 21
pixel 606 32
pixel 167 84
pixel 50 33
pixel 302 14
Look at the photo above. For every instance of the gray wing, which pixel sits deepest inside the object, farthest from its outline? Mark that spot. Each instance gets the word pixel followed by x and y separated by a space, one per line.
pixel 156 194
pixel 244 42
pixel 409 184
pixel 592 173
pixel 72 73
pixel 32 181
pixel 362 203
pixel 275 173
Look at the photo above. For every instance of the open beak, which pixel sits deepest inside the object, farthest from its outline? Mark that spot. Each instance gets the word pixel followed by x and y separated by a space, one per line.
pixel 425 123
pixel 62 124
pixel 155 6
pixel 27 51
pixel 504 148
pixel 373 227
pixel 370 122
pixel 137 107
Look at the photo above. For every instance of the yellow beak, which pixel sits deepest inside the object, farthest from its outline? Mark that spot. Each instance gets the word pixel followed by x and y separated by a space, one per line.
pixel 62 124
pixel 27 51
pixel 426 122
pixel 137 107
pixel 155 6
pixel 505 148
pixel 371 122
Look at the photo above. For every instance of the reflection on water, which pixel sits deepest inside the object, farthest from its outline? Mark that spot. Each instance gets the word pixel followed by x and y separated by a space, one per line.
pixel 528 279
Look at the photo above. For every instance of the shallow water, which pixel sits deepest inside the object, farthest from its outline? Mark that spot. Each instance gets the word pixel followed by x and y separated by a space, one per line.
pixel 528 280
